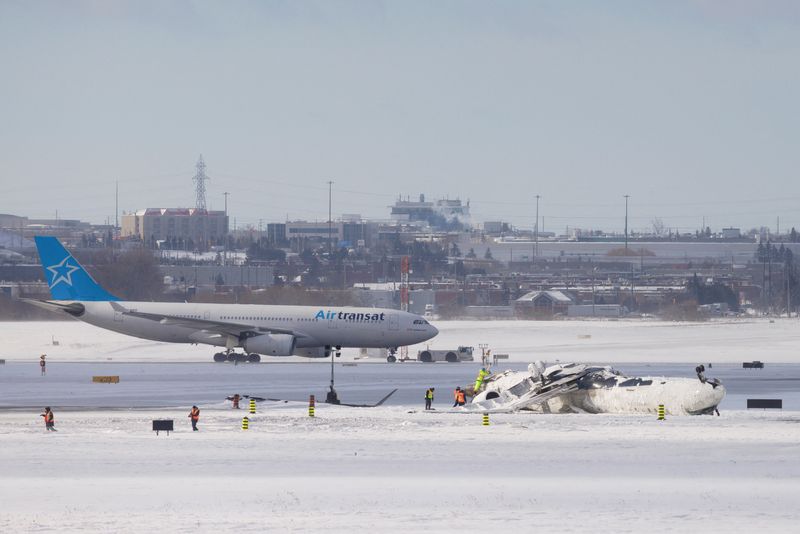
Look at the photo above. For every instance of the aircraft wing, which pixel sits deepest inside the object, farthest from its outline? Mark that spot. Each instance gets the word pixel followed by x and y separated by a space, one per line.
pixel 221 327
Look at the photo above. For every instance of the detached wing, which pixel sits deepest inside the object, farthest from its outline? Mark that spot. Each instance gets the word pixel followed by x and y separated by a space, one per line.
pixel 218 327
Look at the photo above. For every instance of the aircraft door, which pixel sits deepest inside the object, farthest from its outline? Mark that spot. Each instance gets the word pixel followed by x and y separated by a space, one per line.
pixel 394 321
pixel 207 316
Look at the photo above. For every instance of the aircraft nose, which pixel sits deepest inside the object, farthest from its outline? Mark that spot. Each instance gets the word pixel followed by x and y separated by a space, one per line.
pixel 433 330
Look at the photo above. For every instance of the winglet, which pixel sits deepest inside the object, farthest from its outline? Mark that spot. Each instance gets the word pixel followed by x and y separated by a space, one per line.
pixel 67 279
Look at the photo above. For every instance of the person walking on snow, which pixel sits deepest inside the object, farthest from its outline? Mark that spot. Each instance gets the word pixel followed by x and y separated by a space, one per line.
pixel 460 399
pixel 235 400
pixel 49 420
pixel 43 364
pixel 429 398
pixel 195 415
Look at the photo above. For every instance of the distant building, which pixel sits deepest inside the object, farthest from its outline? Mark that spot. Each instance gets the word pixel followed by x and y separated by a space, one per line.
pixel 542 303
pixel 181 277
pixel 496 227
pixel 302 234
pixel 12 222
pixel 731 233
pixel 276 233
pixel 434 213
pixel 181 225
pixel 596 310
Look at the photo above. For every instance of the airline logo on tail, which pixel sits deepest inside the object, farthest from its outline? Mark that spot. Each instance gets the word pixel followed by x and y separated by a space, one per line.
pixel 62 272
pixel 67 279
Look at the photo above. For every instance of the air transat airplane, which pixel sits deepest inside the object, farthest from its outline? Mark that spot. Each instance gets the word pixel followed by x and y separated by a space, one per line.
pixel 269 330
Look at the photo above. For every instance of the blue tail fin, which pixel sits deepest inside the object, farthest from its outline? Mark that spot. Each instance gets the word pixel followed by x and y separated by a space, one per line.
pixel 65 276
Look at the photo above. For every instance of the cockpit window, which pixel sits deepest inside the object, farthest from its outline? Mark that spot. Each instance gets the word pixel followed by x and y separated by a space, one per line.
pixel 420 321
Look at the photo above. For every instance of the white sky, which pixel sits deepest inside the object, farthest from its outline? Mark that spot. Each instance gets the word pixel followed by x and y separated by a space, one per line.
pixel 691 107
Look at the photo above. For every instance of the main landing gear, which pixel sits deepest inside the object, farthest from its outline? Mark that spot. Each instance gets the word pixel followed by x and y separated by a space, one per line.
pixel 230 356
pixel 392 358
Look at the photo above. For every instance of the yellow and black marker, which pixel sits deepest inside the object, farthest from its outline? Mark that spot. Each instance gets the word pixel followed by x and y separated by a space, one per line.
pixel 245 423
pixel 252 406
pixel 661 412
pixel 486 419
pixel 311 403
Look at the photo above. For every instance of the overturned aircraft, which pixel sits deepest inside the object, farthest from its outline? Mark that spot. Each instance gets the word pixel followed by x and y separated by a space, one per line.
pixel 576 388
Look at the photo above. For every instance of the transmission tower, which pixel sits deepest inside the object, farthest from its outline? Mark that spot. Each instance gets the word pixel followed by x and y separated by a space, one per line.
pixel 200 184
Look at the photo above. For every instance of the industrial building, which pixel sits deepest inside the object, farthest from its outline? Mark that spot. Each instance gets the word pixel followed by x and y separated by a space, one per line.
pixel 349 233
pixel 176 225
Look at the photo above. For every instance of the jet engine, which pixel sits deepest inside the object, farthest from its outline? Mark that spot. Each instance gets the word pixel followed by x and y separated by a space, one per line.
pixel 313 352
pixel 271 344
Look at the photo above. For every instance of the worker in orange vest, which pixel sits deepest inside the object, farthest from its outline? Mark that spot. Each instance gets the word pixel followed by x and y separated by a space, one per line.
pixel 195 415
pixel 460 399
pixel 49 420
pixel 235 400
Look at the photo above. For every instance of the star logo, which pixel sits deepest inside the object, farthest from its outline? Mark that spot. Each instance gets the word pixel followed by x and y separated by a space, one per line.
pixel 62 272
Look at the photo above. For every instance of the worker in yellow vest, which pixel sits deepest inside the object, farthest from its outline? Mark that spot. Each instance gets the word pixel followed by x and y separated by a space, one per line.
pixel 482 374
pixel 429 398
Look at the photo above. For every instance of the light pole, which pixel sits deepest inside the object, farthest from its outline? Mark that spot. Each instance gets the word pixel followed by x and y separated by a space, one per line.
pixel 225 248
pixel 594 270
pixel 626 224
pixel 330 221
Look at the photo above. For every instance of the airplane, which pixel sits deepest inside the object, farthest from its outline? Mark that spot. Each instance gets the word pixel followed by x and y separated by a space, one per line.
pixel 573 387
pixel 312 332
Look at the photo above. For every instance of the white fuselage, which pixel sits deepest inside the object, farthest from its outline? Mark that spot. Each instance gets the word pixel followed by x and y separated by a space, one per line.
pixel 313 326
pixel 603 390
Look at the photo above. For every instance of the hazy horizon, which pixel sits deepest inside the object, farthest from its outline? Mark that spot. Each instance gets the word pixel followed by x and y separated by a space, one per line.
pixel 690 107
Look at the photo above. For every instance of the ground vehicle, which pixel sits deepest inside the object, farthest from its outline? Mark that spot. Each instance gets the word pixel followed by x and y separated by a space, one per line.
pixel 461 354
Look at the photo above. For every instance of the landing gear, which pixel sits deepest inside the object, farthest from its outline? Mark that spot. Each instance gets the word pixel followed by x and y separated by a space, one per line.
pixel 230 356
pixel 392 358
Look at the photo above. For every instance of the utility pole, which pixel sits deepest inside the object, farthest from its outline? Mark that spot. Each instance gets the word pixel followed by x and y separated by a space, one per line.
pixel 116 207
pixel 788 290
pixel 330 220
pixel 626 224
pixel 594 269
pixel 225 248
pixel 536 231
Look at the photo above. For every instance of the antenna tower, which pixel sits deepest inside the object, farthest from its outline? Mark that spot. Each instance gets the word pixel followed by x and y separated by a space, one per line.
pixel 200 184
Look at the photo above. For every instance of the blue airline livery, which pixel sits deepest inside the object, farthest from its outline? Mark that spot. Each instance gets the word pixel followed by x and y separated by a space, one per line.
pixel 256 329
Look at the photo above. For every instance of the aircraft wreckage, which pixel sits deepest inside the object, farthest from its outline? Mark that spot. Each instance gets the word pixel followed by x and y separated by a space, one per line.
pixel 576 388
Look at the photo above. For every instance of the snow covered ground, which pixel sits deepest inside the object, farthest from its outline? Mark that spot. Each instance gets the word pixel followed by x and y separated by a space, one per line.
pixel 393 469
pixel 598 341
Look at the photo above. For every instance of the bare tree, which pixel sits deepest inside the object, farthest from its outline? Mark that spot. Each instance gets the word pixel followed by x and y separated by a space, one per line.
pixel 658 226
